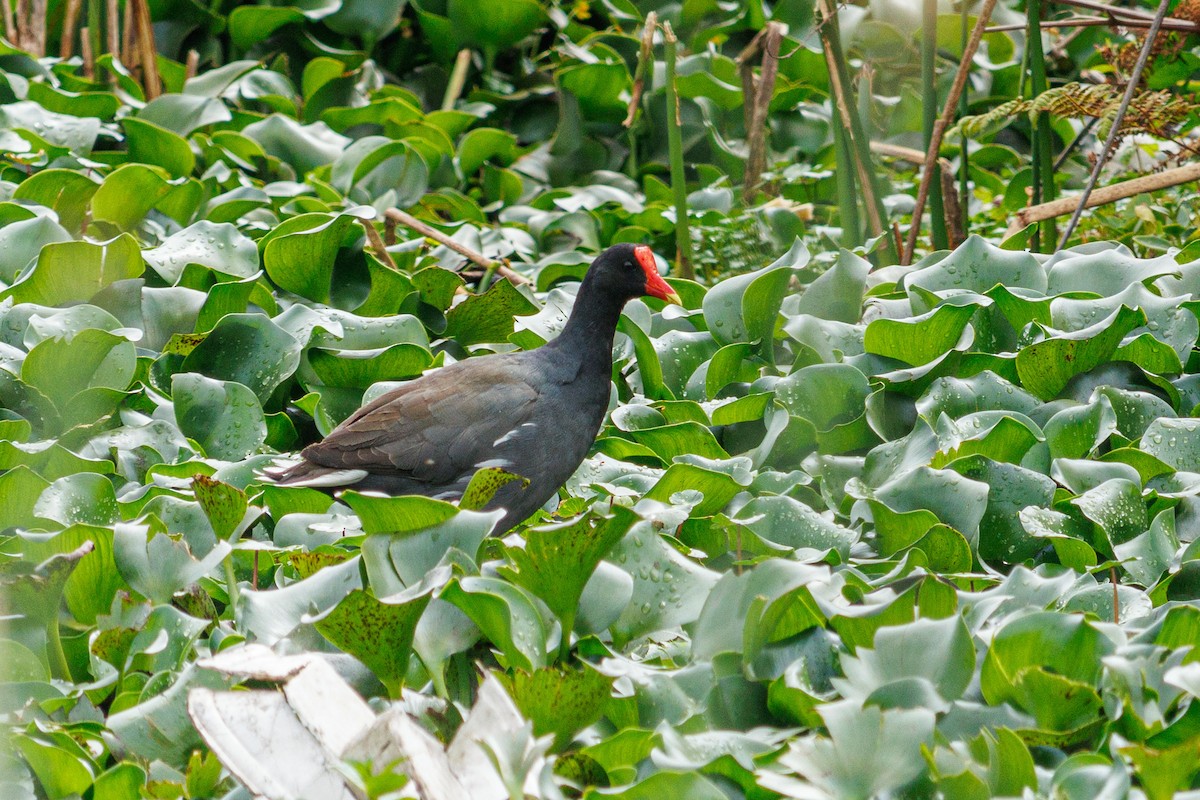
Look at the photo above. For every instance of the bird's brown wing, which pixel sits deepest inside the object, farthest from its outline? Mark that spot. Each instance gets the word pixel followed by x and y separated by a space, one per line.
pixel 437 429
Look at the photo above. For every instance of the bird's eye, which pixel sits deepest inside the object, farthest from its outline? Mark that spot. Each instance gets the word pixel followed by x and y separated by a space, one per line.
pixel 628 265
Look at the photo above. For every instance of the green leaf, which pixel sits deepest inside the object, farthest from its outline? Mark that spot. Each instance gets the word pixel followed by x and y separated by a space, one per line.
pixel 560 701
pixel 299 255
pixel 223 417
pixel 919 340
pixel 1045 367
pixel 75 271
pixel 377 632
pixel 248 349
pixel 151 144
pixel 744 308
pixel 507 616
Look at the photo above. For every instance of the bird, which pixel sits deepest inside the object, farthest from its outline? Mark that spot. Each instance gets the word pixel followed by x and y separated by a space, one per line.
pixel 534 413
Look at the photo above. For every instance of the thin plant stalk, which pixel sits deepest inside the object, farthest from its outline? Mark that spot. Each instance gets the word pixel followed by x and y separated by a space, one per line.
pixel 1043 136
pixel 942 124
pixel 1135 78
pixel 642 78
pixel 66 43
pixel 964 159
pixel 231 585
pixel 929 108
pixel 683 239
pixel 458 79
pixel 847 192
pixel 858 142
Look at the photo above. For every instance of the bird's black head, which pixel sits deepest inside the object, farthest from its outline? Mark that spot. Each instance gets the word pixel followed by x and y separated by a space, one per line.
pixel 625 271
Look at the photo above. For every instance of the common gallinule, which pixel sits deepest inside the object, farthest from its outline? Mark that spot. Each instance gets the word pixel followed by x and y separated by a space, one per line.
pixel 533 413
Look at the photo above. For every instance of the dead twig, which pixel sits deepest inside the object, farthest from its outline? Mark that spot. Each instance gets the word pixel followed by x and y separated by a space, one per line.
pixel 644 65
pixel 941 124
pixel 756 99
pixel 951 202
pixel 192 66
pixel 377 245
pixel 1105 195
pixel 1168 24
pixel 408 220
pixel 85 50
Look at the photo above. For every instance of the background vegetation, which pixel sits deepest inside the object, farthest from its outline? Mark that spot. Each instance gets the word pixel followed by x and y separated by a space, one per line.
pixel 854 527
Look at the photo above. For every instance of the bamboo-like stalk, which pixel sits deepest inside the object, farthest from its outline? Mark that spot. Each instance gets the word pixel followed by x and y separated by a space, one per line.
pixel 856 139
pixel 408 220
pixel 10 23
pixel 1043 136
pixel 458 79
pixel 756 100
pixel 1169 24
pixel 955 229
pixel 22 24
pixel 846 190
pixel 66 44
pixel 127 32
pixel 942 124
pixel 192 65
pixel 87 53
pixel 147 50
pixel 1135 78
pixel 929 109
pixel 683 239
pixel 964 160
pixel 37 27
pixel 112 13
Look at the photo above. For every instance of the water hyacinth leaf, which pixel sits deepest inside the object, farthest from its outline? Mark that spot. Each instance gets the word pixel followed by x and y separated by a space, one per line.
pixel 401 559
pixel 488 317
pixel 1067 646
pixel 151 144
pixel 668 589
pixel 1147 556
pixel 1106 272
pixel 68 192
pixel 837 294
pixel 508 617
pixel 360 368
pixel 271 615
pixel 556 561
pixel 226 507
pixel 744 308
pixel 977 266
pixel 1077 431
pixel 380 170
pixel 867 749
pixel 939 651
pixel 218 246
pixel 20 488
pixel 157 564
pixel 377 632
pixel 75 271
pixel 299 255
pixel 484 485
pixel 920 339
pixel 1175 442
pixel 21 241
pixel 129 193
pixel 559 700
pixel 60 769
pixel 1117 510
pixel 223 417
pixel 64 368
pixel 958 501
pixel 1045 367
pixel 718 488
pixel 184 113
pixel 958 397
pixel 826 395
pixel 85 498
pixel 304 147
pixel 789 523
pixel 998 435
pixel 1011 489
pixel 248 349
pixel 94 581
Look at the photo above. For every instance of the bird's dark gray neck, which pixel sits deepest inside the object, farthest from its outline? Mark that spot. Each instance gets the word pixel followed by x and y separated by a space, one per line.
pixel 588 334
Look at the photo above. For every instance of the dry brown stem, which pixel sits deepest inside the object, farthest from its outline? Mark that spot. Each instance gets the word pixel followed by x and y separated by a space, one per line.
pixel 645 56
pixel 66 45
pixel 1105 195
pixel 408 220
pixel 756 99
